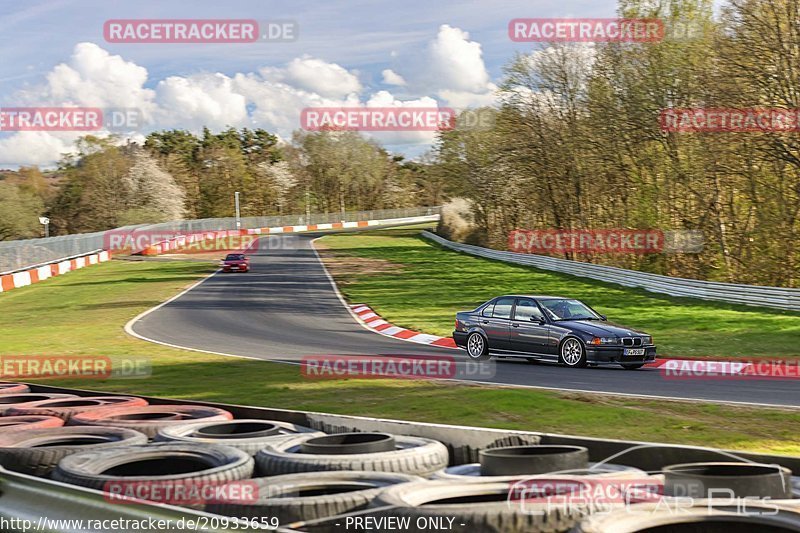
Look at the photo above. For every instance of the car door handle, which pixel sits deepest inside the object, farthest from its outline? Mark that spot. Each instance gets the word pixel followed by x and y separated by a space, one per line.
pixel 514 325
pixel 485 321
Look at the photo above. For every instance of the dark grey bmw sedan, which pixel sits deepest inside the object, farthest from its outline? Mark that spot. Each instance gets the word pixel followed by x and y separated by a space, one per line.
pixel 550 328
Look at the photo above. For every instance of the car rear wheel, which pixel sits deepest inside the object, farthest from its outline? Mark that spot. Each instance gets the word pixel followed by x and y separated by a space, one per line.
pixel 477 347
pixel 572 353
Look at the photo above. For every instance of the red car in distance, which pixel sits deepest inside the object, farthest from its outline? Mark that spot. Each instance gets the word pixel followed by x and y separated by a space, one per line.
pixel 235 263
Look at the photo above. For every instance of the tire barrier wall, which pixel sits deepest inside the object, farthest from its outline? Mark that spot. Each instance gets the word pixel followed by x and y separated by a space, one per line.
pixel 323 469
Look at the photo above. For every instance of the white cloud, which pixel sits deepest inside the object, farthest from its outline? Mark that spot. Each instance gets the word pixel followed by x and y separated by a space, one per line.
pixel 271 97
pixel 35 148
pixel 315 75
pixel 199 100
pixel 390 77
pixel 452 68
pixel 93 77
pixel 455 62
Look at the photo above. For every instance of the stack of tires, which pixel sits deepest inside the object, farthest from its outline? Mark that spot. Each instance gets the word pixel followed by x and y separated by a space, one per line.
pixel 291 475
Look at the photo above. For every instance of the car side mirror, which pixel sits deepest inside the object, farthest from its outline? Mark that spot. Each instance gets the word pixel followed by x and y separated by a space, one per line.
pixel 603 318
pixel 537 319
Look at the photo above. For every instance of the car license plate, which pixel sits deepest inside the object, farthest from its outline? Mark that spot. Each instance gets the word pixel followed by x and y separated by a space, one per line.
pixel 633 351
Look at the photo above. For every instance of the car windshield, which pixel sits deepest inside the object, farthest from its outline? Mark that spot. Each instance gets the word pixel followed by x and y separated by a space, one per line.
pixel 234 257
pixel 568 310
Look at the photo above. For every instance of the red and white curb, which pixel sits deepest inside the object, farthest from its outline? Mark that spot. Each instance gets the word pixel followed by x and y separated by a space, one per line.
pixel 56 268
pixel 182 240
pixel 374 322
pixel 693 366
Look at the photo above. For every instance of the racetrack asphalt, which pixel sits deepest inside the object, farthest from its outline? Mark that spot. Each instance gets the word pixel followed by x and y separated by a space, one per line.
pixel 286 307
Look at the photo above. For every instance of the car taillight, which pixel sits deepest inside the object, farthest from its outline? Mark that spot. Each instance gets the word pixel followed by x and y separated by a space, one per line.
pixel 457 325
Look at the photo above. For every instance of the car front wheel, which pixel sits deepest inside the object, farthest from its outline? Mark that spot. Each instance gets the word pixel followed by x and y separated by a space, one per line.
pixel 477 347
pixel 572 353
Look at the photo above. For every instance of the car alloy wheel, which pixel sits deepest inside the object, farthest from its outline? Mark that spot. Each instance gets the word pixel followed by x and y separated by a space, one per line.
pixel 476 346
pixel 572 353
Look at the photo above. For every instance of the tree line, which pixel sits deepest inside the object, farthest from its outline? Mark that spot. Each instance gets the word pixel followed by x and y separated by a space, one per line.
pixel 576 143
pixel 176 174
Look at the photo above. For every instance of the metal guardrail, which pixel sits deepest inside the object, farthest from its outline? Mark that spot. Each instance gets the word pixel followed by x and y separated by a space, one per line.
pixel 37 265
pixel 16 255
pixel 776 297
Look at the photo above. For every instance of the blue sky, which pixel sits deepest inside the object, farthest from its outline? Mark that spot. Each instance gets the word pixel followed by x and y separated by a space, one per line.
pixel 54 53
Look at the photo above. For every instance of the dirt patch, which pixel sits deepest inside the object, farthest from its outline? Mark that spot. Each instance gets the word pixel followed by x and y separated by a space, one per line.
pixel 342 266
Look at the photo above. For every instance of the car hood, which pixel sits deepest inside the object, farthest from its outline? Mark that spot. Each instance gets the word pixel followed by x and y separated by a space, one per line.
pixel 599 329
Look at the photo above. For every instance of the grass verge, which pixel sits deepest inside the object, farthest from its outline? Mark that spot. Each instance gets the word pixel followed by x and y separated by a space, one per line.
pixel 416 284
pixel 84 313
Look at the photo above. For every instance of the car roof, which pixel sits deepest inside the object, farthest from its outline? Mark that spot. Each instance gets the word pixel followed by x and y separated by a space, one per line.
pixel 534 296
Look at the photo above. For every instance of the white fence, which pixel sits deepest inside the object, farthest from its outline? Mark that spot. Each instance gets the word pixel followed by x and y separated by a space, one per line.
pixel 777 297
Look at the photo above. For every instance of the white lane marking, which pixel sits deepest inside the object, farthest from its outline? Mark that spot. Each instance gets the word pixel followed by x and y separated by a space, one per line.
pixel 129 330
pixel 129 325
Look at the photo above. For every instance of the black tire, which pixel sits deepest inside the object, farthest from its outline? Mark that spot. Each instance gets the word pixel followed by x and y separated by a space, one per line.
pixel 249 434
pixel 483 507
pixel 570 359
pixel 168 464
pixel 472 472
pixel 313 495
pixel 9 387
pixel 532 460
pixel 413 455
pixel 744 480
pixel 477 347
pixel 38 451
pixel 7 401
pixel 68 407
pixel 19 423
pixel 149 418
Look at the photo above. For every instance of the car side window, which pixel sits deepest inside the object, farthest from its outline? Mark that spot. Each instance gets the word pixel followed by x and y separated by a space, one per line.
pixel 502 308
pixel 526 309
pixel 487 311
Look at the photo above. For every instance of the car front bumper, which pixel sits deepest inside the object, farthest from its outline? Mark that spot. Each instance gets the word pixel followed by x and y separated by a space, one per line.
pixel 615 355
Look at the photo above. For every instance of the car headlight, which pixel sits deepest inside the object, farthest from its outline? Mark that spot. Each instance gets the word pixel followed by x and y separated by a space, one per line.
pixel 603 340
pixel 648 340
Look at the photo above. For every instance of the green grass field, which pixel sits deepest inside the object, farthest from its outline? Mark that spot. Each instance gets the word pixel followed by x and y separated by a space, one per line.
pixel 414 283
pixel 84 313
